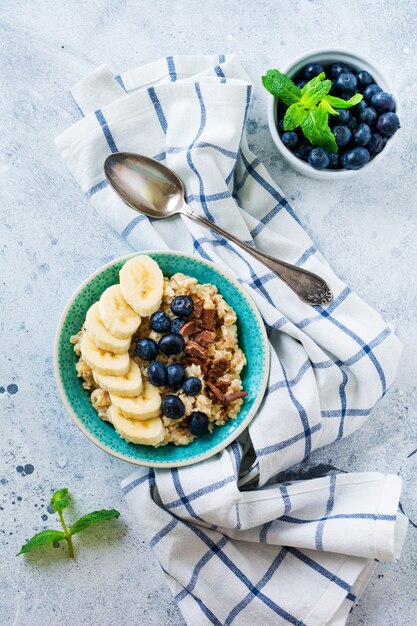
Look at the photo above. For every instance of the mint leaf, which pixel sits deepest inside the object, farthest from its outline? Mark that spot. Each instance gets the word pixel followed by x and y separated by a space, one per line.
pixel 41 539
pixel 60 500
pixel 313 82
pixel 315 127
pixel 339 103
pixel 294 116
pixel 328 107
pixel 315 90
pixel 92 518
pixel 282 87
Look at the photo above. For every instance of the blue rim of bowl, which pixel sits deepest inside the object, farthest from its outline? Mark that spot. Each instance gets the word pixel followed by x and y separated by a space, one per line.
pixel 233 435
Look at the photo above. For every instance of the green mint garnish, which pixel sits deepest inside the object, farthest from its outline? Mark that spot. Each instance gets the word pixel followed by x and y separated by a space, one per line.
pixel 309 107
pixel 282 87
pixel 59 501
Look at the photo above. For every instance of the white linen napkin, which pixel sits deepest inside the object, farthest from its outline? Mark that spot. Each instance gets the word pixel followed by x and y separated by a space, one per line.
pixel 219 528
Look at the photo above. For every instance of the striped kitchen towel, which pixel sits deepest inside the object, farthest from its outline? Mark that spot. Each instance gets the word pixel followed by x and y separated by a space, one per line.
pixel 239 544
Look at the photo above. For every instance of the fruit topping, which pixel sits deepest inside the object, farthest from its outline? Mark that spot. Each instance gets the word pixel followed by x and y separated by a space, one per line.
pixel 172 343
pixel 182 306
pixel 192 386
pixel 173 407
pixel 198 423
pixel 147 349
pixel 176 375
pixel 160 322
pixel 157 374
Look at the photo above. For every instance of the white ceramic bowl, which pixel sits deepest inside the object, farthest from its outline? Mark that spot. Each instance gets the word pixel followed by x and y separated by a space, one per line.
pixel 328 56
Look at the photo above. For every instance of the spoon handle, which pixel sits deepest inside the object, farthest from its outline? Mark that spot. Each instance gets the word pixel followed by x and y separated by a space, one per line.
pixel 309 287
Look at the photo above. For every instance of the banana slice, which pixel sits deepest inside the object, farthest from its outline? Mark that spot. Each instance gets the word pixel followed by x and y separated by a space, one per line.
pixel 129 385
pixel 101 361
pixel 101 336
pixel 149 432
pixel 142 284
pixel 142 407
pixel 115 313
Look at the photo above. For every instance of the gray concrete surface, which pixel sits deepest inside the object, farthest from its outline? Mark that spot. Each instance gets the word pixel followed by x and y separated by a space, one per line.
pixel 51 240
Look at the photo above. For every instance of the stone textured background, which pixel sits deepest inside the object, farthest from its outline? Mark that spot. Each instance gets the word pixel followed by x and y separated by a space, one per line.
pixel 51 240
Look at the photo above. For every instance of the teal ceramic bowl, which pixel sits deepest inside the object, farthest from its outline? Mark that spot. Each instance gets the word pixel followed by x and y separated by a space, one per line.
pixel 252 339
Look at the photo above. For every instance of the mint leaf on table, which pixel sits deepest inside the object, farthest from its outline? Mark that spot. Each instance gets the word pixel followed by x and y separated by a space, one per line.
pixel 41 539
pixel 59 501
pixel 92 518
pixel 282 87
pixel 295 116
pixel 339 103
pixel 316 128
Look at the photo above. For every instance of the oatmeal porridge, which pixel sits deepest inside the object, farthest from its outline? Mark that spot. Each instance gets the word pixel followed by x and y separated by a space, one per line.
pixel 160 356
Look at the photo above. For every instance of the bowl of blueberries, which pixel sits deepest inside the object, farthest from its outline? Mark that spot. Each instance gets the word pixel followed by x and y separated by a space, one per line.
pixel 331 113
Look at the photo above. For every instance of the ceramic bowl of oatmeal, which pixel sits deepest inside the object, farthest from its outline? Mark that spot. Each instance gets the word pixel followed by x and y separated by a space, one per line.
pixel 161 359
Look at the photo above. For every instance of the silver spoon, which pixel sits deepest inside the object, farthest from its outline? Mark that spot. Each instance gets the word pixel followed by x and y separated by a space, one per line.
pixel 155 190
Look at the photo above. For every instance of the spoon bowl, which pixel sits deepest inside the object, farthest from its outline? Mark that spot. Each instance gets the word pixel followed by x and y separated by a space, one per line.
pixel 153 189
pixel 145 184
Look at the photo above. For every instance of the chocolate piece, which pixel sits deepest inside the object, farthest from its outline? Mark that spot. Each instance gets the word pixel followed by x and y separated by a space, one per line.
pixel 198 308
pixel 193 360
pixel 194 349
pixel 204 338
pixel 215 391
pixel 219 367
pixel 229 397
pixel 189 328
pixel 223 384
pixel 207 318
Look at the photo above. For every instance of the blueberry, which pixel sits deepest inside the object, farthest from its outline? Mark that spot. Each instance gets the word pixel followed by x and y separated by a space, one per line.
pixel 198 423
pixel 362 135
pixel 173 407
pixel 342 118
pixel 347 83
pixel 290 139
pixel 375 144
pixel 160 322
pixel 358 108
pixel 342 135
pixel 171 344
pixel 364 78
pixel 282 108
pixel 281 128
pixel 157 374
pixel 355 159
pixel 147 349
pixel 301 83
pixel 333 161
pixel 312 70
pixel 339 68
pixel 182 306
pixel 176 324
pixel 318 158
pixel 370 91
pixel 303 150
pixel 382 102
pixel 176 375
pixel 388 124
pixel 368 116
pixel 333 89
pixel 192 386
pixel 352 123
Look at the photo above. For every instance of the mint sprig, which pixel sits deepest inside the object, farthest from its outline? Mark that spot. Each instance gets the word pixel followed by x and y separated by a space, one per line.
pixel 309 107
pixel 59 501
